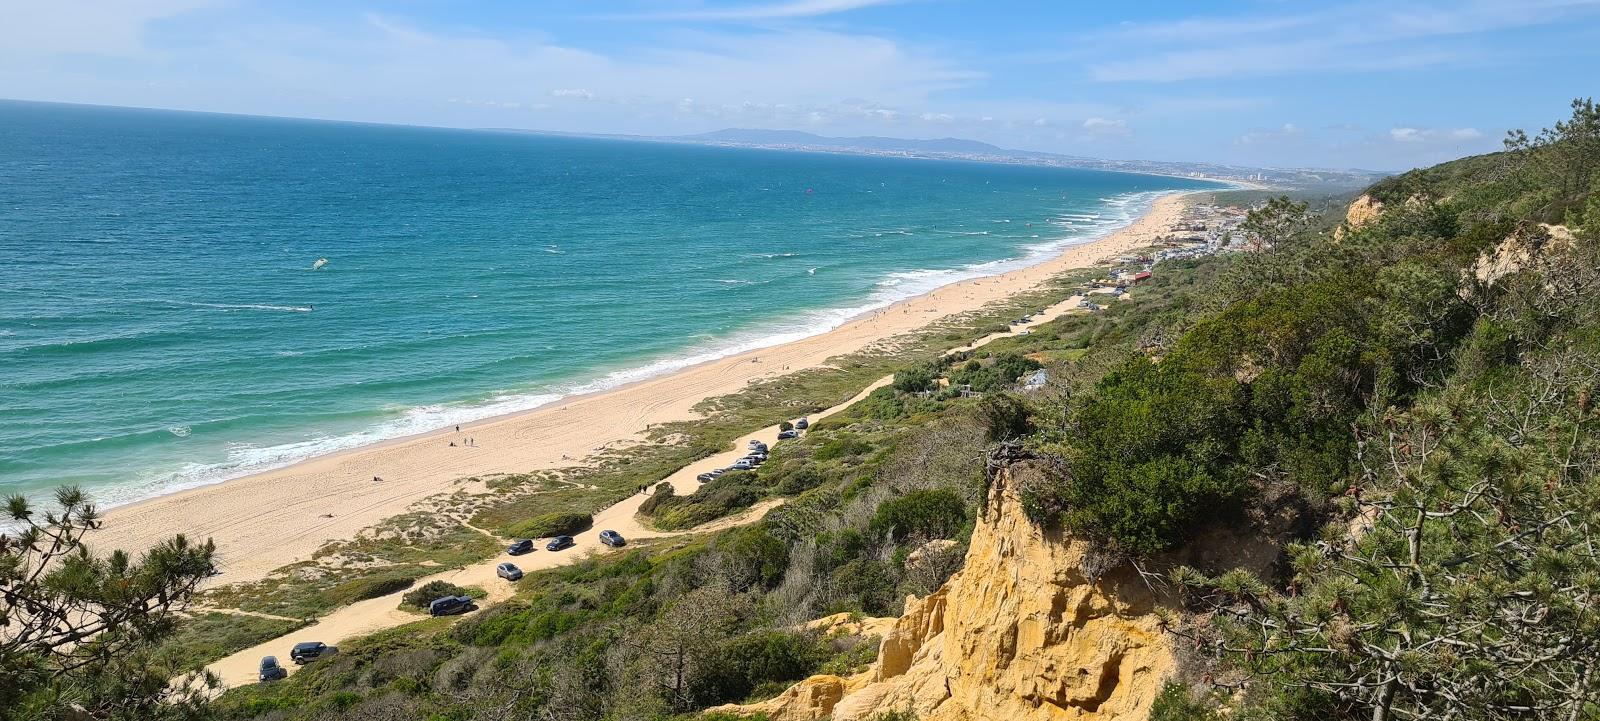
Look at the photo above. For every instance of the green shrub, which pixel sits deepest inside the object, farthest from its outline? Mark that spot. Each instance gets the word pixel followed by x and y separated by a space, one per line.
pixel 743 663
pixel 844 445
pixel 931 513
pixel 914 379
pixel 730 492
pixel 1177 703
pixel 361 589
pixel 425 594
pixel 1004 417
pixel 798 479
pixel 551 524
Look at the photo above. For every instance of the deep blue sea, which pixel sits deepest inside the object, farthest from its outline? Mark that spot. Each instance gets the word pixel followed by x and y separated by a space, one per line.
pixel 162 326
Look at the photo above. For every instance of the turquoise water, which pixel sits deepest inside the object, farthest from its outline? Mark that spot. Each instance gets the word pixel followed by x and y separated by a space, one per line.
pixel 161 325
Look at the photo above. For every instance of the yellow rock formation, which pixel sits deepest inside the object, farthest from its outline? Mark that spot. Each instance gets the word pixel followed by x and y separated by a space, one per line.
pixel 1020 633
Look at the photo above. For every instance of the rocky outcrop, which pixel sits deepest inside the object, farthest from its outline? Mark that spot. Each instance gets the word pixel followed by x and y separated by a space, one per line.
pixel 1021 632
pixel 1519 250
pixel 1362 210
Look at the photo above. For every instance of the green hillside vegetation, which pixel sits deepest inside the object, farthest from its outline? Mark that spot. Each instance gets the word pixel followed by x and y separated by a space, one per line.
pixel 1442 560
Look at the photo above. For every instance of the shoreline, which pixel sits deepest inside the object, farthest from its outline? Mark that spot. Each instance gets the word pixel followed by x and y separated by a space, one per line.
pixel 437 415
pixel 267 519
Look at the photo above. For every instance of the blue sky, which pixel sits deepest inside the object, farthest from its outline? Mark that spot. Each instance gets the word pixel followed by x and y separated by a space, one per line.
pixel 1381 85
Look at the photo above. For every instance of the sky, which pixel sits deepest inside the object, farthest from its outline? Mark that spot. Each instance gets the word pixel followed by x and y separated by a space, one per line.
pixel 1383 85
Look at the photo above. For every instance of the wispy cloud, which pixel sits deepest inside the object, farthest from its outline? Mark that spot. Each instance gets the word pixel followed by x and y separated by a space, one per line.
pixel 1433 135
pixel 1359 37
pixel 1261 136
pixel 1106 126
pixel 771 11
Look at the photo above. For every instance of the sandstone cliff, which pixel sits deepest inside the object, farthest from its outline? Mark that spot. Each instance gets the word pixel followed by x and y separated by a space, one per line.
pixel 1362 210
pixel 1019 633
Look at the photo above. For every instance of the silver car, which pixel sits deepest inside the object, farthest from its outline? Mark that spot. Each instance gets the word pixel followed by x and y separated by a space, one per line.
pixel 508 571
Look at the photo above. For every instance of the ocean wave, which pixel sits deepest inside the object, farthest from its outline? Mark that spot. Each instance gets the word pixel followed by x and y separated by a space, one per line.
pixel 241 306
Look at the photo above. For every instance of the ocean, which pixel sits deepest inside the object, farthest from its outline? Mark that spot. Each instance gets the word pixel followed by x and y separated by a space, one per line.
pixel 187 298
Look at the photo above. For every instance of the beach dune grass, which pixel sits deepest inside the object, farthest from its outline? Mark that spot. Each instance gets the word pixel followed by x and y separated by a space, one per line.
pixel 210 635
pixel 389 558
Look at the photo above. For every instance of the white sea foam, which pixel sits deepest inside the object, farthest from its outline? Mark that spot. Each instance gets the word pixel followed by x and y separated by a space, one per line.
pixel 244 459
pixel 241 306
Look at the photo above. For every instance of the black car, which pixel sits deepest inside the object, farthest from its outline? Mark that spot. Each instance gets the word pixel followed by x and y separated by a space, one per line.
pixel 451 605
pixel 708 476
pixel 802 424
pixel 308 651
pixel 787 435
pixel 612 539
pixel 522 546
pixel 560 542
pixel 270 670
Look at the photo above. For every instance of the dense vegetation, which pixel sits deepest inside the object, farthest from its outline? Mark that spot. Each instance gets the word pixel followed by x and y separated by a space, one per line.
pixel 1451 570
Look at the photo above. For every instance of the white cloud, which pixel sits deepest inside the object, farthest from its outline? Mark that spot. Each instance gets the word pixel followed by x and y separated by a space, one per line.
pixel 1430 135
pixel 91 27
pixel 579 93
pixel 1262 136
pixel 1105 126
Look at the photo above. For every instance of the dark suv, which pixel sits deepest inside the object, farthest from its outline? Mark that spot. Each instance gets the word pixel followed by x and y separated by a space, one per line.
pixel 560 542
pixel 306 652
pixel 270 670
pixel 612 539
pixel 520 547
pixel 451 605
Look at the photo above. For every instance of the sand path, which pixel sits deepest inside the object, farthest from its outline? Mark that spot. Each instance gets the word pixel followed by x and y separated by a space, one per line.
pixel 366 617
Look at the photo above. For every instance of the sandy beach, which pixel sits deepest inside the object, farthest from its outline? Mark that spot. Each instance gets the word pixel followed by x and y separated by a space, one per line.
pixel 267 520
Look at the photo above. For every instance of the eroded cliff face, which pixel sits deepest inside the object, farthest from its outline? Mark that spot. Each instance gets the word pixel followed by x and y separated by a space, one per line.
pixel 1362 210
pixel 1019 633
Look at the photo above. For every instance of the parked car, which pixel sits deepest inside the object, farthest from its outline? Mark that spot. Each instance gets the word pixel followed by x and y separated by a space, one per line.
pixel 307 651
pixel 786 435
pixel 802 424
pixel 270 670
pixel 451 605
pixel 521 546
pixel 508 571
pixel 743 464
pixel 709 476
pixel 756 445
pixel 756 459
pixel 612 539
pixel 560 542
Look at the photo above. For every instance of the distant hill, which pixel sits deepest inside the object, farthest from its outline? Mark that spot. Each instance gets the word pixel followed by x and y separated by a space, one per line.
pixel 1319 179
pixel 744 136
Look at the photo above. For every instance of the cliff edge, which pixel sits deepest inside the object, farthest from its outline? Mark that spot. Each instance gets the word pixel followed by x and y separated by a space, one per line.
pixel 1019 633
